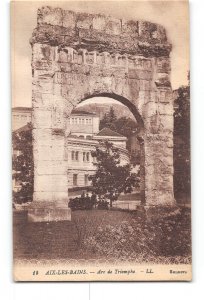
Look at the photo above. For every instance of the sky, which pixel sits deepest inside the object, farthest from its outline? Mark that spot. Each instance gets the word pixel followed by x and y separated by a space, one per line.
pixel 173 15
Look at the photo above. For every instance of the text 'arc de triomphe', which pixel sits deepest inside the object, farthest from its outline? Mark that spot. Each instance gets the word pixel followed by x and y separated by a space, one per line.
pixel 76 56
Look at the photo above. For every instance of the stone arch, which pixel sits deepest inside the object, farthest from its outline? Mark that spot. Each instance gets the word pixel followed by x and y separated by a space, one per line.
pixel 76 56
pixel 124 101
pixel 140 134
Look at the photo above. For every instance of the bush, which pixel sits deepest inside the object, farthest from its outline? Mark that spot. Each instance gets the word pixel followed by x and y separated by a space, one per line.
pixel 102 204
pixel 81 203
pixel 22 196
pixel 136 239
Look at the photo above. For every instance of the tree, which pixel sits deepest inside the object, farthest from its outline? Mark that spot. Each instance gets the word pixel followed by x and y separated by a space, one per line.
pixel 23 166
pixel 126 127
pixel 111 178
pixel 182 140
pixel 108 120
pixel 123 125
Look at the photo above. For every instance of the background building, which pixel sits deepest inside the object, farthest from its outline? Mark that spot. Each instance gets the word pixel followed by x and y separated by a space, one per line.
pixel 20 117
pixel 83 124
pixel 83 139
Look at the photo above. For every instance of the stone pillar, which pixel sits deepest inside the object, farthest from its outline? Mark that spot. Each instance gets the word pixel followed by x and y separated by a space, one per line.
pixel 50 199
pixel 158 148
pixel 158 170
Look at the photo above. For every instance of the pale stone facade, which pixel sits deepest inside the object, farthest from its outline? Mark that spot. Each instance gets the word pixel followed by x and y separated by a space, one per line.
pixel 76 56
pixel 20 117
pixel 83 139
pixel 83 124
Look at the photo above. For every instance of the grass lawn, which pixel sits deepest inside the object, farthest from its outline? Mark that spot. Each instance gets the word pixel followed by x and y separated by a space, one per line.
pixel 101 234
pixel 58 239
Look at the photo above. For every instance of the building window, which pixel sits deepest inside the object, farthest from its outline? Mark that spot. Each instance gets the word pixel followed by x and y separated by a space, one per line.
pixel 86 156
pixel 86 179
pixel 82 121
pixel 75 155
pixel 72 155
pixel 75 179
pixel 87 121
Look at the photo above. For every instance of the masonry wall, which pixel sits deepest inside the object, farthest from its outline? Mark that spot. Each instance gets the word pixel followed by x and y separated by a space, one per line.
pixel 77 56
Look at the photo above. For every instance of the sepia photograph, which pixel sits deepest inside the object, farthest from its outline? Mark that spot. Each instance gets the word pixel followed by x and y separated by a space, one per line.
pixel 101 167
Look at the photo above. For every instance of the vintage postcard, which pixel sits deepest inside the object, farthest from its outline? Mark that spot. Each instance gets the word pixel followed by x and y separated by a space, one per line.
pixel 101 141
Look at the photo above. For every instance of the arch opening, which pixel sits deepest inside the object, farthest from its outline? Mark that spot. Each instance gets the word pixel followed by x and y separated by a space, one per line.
pixel 122 100
pixel 89 114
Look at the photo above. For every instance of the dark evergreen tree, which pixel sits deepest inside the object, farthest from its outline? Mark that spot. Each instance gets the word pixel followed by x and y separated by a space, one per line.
pixel 23 167
pixel 182 142
pixel 108 120
pixel 126 127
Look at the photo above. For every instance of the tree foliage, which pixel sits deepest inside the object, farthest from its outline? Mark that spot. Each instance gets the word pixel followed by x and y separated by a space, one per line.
pixel 182 141
pixel 111 178
pixel 124 126
pixel 23 166
pixel 108 120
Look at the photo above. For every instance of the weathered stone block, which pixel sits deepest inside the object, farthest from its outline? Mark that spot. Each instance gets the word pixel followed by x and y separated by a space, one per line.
pixel 150 109
pixel 49 15
pixel 99 22
pixel 43 52
pixel 165 96
pixel 58 152
pixel 50 199
pixel 130 27
pixel 163 65
pixel 41 118
pixel 149 30
pixel 84 20
pixel 166 122
pixel 113 26
pixel 51 183
pixel 51 167
pixel 42 136
pixel 165 109
pixel 68 19
pixel 42 152
pixel 157 198
pixel 48 215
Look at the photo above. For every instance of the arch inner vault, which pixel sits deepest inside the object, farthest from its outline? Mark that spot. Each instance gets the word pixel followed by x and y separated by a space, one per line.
pixel 76 56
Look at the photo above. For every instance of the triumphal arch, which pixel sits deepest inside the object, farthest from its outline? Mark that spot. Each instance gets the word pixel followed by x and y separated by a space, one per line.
pixel 76 56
